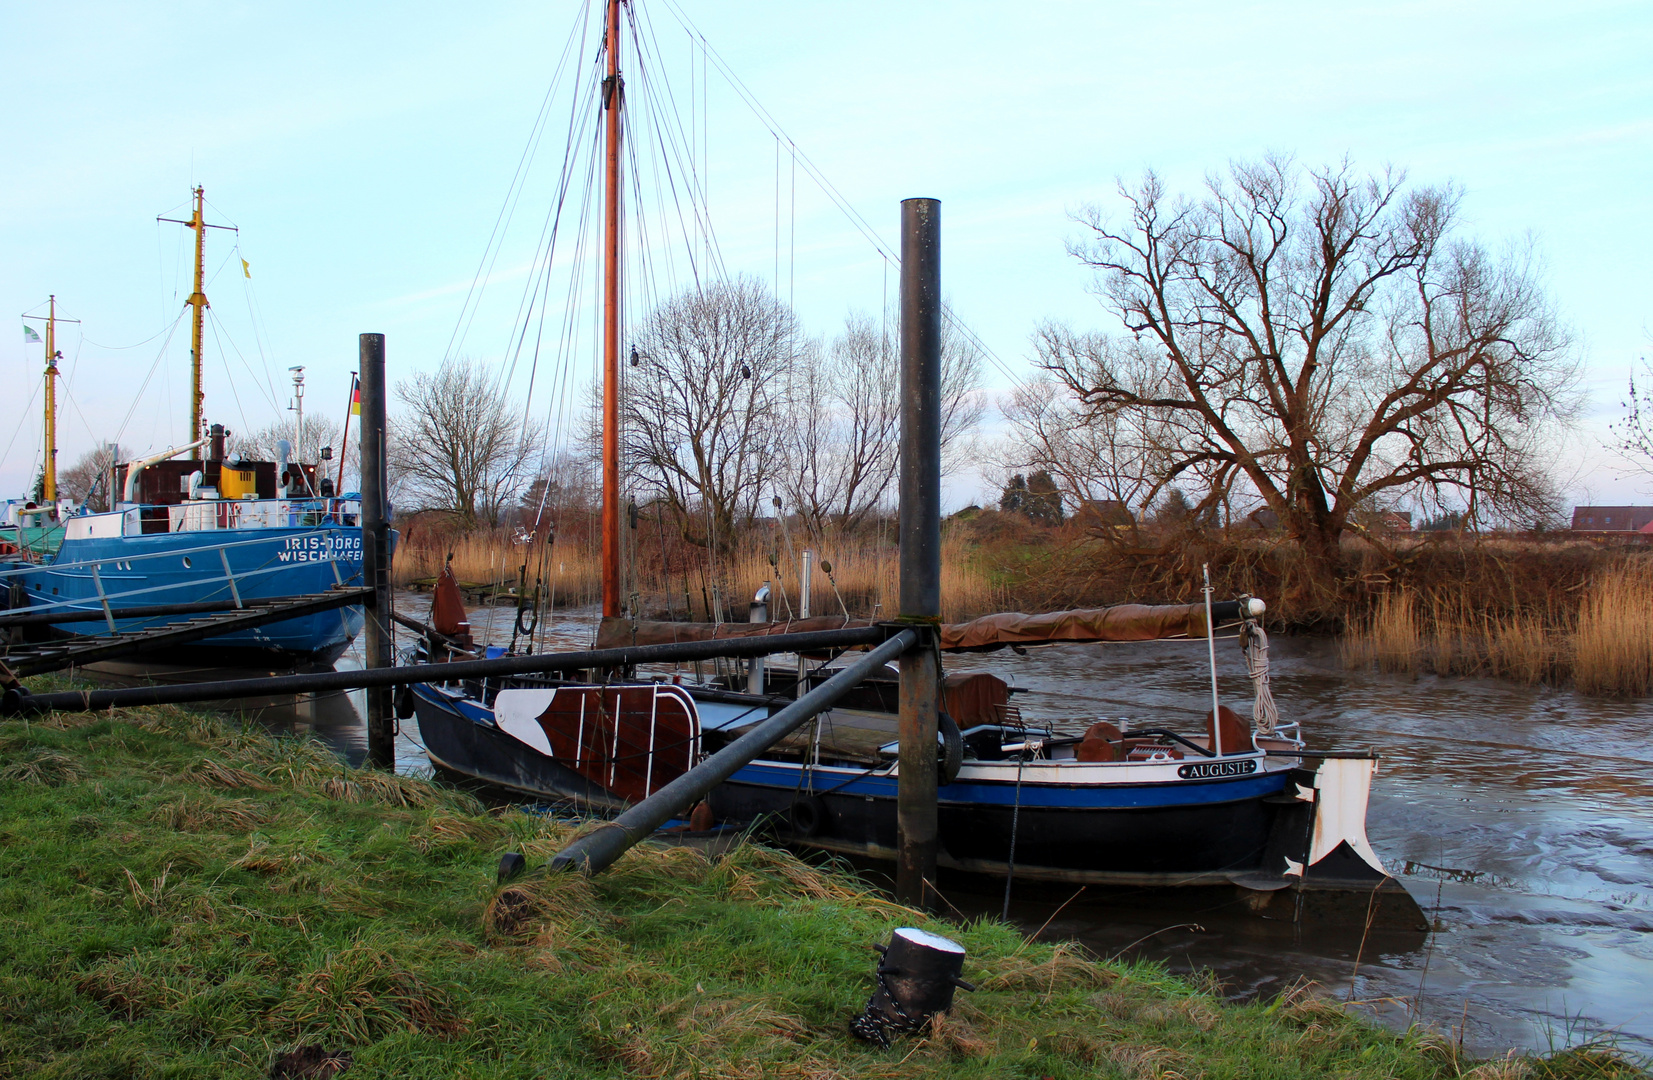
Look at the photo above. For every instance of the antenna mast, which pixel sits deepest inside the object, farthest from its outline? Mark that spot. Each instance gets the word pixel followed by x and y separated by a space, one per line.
pixel 613 97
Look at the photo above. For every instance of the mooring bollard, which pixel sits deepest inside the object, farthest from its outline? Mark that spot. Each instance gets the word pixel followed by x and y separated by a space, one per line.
pixel 916 978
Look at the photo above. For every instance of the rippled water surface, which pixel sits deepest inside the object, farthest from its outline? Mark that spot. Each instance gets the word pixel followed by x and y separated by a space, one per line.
pixel 1521 819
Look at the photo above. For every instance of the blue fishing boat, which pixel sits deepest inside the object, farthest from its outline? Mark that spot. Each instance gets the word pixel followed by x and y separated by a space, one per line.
pixel 191 526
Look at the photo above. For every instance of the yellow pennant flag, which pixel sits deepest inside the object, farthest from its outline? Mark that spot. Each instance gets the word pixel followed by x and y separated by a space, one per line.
pixel 245 269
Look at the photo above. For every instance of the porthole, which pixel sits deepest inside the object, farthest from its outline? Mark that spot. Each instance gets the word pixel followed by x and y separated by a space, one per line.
pixel 187 563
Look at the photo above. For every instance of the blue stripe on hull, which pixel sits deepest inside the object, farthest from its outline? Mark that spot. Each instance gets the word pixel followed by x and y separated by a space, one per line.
pixel 1103 796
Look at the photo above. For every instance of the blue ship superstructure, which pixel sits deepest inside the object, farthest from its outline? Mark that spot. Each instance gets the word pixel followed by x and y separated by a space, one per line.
pixel 181 541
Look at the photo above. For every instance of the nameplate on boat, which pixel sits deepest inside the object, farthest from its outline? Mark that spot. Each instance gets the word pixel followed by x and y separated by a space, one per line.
pixel 1210 770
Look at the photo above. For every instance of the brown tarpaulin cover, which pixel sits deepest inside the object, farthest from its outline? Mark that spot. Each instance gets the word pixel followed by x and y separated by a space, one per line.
pixel 1124 622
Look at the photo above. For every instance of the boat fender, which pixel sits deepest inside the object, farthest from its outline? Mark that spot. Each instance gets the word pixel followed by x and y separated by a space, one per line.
pixel 807 816
pixel 404 702
pixel 952 750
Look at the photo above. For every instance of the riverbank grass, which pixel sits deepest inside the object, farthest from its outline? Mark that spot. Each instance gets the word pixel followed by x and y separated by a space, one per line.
pixel 183 899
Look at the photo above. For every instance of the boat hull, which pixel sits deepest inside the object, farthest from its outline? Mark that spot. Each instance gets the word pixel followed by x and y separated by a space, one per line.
pixel 189 567
pixel 1157 833
pixel 461 741
pixel 1160 832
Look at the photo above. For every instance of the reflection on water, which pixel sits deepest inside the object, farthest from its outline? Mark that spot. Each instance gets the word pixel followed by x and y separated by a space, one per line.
pixel 1521 818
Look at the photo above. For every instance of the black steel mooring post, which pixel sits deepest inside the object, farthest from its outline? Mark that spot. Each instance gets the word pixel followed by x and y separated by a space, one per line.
pixel 376 634
pixel 920 539
pixel 19 702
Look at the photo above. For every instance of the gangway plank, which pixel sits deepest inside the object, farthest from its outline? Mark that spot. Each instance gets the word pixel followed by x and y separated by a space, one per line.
pixel 35 658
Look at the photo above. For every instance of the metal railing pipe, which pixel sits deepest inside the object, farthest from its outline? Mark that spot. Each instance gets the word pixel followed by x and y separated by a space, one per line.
pixel 597 850
pixel 15 702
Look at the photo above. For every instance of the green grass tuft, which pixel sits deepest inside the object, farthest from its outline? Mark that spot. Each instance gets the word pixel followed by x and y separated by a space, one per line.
pixel 182 898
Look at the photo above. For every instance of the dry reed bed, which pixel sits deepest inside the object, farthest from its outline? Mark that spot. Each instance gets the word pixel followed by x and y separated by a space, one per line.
pixel 675 580
pixel 1602 643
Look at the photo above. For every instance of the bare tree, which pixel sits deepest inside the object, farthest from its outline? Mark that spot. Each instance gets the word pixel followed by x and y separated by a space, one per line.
pixel 461 445
pixel 1324 340
pixel 1633 435
pixel 319 432
pixel 843 437
pixel 704 409
pixel 1107 459
pixel 87 480
pixel 566 482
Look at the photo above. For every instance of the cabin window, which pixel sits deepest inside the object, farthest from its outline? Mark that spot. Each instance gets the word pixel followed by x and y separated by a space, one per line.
pixel 187 563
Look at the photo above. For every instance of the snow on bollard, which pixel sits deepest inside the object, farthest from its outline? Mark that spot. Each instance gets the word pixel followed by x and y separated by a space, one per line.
pixel 916 979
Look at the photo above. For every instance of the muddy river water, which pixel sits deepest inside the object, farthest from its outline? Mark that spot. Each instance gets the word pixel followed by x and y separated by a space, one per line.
pixel 1520 819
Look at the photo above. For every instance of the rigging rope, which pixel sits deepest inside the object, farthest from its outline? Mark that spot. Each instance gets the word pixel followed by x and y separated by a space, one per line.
pixel 1254 645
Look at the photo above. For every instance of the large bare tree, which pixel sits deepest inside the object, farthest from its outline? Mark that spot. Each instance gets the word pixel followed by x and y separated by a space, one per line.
pixel 460 444
pixel 704 409
pixel 843 435
pixel 1319 340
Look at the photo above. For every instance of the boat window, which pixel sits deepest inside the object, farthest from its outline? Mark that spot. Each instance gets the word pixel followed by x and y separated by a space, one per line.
pixel 187 563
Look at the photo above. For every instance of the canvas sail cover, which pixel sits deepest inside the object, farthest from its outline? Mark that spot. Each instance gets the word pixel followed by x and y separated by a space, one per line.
pixel 1123 622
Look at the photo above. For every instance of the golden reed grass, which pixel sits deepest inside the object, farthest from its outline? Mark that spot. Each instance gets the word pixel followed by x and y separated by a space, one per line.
pixel 1614 643
pixel 1603 645
pixel 677 580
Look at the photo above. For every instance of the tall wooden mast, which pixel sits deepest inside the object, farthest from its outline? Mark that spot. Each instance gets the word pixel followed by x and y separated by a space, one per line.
pixel 198 301
pixel 613 98
pixel 49 489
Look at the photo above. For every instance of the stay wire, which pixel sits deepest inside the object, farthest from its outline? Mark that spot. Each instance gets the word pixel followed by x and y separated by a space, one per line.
pixel 491 251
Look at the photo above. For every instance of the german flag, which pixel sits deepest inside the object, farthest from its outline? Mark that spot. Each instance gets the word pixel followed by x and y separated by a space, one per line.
pixel 355 395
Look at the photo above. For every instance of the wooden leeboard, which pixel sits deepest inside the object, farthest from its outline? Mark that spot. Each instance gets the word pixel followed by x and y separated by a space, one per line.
pixel 631 740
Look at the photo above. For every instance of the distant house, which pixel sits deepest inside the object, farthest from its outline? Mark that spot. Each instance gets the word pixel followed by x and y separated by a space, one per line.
pixel 1262 519
pixel 1105 513
pixel 1612 519
pixel 1396 520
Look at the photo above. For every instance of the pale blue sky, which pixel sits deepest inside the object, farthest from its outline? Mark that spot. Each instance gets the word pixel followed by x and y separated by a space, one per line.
pixel 364 151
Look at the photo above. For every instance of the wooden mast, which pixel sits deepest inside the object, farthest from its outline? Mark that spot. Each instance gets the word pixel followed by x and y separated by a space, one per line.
pixel 613 97
pixel 49 470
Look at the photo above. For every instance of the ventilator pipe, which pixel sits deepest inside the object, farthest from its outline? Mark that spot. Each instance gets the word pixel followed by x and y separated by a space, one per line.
pixel 133 468
pixel 283 450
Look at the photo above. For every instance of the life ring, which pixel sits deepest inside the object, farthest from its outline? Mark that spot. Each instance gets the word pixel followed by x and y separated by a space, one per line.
pixel 807 815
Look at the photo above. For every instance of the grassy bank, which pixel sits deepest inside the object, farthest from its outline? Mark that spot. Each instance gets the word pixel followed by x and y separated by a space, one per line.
pixel 182 899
